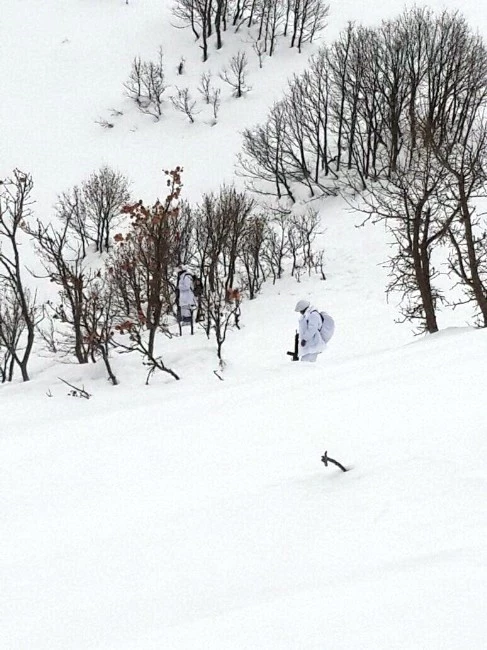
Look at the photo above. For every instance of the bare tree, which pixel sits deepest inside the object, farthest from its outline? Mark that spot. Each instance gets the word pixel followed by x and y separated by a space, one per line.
pixel 417 221
pixel 182 235
pixel 270 15
pixel 210 94
pixel 105 192
pixel 215 101
pixel 134 85
pixel 236 74
pixel 146 85
pixel 204 10
pixel 12 327
pixel 185 103
pixel 100 318
pixel 296 145
pixel 316 109
pixel 197 14
pixel 71 210
pixel 304 228
pixel 272 18
pixel 93 210
pixel 221 223
pixel 15 210
pixel 466 164
pixel 235 212
pixel 211 237
pixel 277 244
pixel 259 48
pixel 308 20
pixel 251 254
pixel 86 311
pixel 240 8
pixel 262 161
pixel 186 12
pixel 220 17
pixel 205 87
pixel 64 265
pixel 222 307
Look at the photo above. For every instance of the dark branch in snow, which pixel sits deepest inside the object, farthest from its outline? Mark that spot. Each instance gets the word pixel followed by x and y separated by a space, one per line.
pixel 326 459
pixel 76 391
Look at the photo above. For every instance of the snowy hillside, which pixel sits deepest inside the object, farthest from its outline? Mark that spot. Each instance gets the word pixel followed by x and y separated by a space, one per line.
pixel 74 58
pixel 197 514
pixel 200 516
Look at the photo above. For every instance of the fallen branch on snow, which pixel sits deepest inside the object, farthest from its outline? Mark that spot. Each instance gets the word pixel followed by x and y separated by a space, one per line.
pixel 76 391
pixel 326 459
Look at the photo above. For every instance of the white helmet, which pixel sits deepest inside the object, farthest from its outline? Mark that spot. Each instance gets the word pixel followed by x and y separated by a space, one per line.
pixel 302 305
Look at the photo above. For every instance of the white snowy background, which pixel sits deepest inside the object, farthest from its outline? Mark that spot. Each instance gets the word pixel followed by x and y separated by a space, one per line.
pixel 196 514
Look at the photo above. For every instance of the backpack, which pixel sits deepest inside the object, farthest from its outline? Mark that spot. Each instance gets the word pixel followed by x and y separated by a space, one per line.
pixel 197 286
pixel 327 326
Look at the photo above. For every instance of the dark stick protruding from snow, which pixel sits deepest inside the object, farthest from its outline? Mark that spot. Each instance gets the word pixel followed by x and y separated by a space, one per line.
pixel 326 459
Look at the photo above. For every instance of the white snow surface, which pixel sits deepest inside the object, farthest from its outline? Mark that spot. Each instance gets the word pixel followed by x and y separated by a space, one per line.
pixel 196 515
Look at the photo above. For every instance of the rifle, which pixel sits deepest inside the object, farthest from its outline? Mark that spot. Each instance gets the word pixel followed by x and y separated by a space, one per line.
pixel 294 354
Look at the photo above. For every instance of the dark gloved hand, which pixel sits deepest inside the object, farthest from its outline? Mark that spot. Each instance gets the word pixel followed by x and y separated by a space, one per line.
pixel 303 343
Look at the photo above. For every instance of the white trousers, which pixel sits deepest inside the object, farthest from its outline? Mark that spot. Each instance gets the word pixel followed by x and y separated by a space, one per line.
pixel 309 357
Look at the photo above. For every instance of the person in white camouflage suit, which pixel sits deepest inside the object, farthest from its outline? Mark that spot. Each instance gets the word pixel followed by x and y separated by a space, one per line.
pixel 310 342
pixel 186 298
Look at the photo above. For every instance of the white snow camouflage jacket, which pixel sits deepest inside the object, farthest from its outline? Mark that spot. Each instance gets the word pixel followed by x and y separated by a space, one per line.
pixel 185 286
pixel 309 332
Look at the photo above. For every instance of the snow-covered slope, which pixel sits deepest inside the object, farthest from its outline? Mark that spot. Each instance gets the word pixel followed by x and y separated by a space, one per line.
pixel 197 514
pixel 64 65
pixel 67 65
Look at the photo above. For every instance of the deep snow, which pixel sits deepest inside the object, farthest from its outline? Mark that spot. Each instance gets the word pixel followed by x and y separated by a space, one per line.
pixel 197 514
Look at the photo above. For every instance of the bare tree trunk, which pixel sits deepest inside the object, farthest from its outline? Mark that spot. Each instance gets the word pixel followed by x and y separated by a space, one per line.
pixel 14 211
